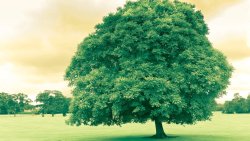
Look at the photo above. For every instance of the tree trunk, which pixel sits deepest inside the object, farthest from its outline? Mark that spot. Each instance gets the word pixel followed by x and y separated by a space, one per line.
pixel 159 130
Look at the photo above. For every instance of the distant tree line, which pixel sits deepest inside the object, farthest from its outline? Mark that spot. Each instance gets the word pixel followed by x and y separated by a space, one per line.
pixel 238 105
pixel 14 103
pixel 48 102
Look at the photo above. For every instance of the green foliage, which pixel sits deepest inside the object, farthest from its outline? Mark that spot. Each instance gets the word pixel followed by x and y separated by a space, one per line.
pixel 248 103
pixel 228 107
pixel 23 101
pixel 12 103
pixel 240 104
pixel 218 107
pixel 3 103
pixel 52 102
pixel 237 105
pixel 150 59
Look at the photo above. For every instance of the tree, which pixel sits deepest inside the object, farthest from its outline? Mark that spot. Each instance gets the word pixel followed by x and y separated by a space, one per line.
pixel 12 104
pixel 43 99
pixel 151 60
pixel 8 105
pixel 248 103
pixel 218 107
pixel 65 107
pixel 228 107
pixel 23 101
pixel 239 103
pixel 3 103
pixel 52 102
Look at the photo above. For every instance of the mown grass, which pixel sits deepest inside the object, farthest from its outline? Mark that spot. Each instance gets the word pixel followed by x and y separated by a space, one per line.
pixel 222 127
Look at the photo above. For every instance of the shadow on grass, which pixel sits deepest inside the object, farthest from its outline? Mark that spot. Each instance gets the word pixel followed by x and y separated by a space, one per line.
pixel 137 138
pixel 169 138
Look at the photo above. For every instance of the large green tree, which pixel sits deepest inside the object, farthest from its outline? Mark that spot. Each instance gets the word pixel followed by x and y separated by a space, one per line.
pixel 151 60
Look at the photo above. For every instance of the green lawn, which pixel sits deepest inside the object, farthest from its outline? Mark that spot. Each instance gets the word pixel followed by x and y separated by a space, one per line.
pixel 35 128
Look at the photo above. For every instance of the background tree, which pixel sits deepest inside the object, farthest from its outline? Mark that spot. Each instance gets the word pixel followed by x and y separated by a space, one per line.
pixel 151 60
pixel 8 105
pixel 23 101
pixel 218 107
pixel 228 107
pixel 43 100
pixel 52 102
pixel 3 103
pixel 248 103
pixel 13 107
pixel 237 105
pixel 240 104
pixel 65 108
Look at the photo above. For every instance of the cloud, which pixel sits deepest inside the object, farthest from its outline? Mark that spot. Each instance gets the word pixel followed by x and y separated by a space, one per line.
pixel 54 33
pixel 42 40
pixel 229 31
pixel 14 16
pixel 234 48
pixel 44 54
pixel 240 79
pixel 16 80
pixel 232 22
pixel 211 8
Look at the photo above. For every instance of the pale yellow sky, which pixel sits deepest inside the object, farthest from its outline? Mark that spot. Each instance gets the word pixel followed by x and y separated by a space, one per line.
pixel 38 38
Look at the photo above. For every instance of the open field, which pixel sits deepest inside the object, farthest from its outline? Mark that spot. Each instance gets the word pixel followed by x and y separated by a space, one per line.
pixel 35 128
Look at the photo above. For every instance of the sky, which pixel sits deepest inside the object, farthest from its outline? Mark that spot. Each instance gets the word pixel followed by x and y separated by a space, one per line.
pixel 38 39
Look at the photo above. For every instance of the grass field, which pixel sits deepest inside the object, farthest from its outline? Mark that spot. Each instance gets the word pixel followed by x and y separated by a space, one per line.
pixel 35 128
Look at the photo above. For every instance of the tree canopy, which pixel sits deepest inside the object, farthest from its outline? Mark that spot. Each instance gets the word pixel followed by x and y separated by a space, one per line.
pixel 23 101
pixel 151 60
pixel 237 105
pixel 52 102
pixel 13 103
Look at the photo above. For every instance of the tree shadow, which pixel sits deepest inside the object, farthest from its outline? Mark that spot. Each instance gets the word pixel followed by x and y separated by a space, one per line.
pixel 169 138
pixel 138 138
